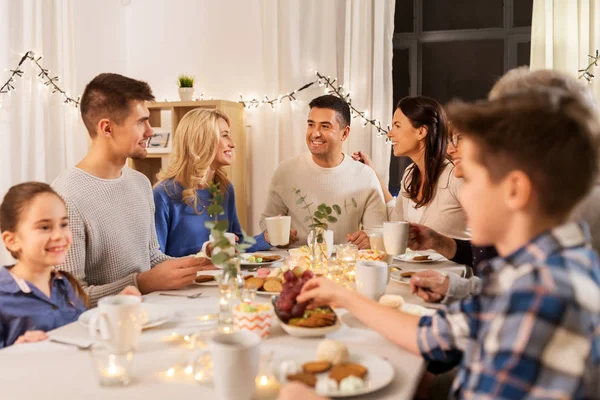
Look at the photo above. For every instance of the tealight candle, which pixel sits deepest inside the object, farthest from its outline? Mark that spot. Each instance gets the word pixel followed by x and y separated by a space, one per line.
pixel 112 369
pixel 267 387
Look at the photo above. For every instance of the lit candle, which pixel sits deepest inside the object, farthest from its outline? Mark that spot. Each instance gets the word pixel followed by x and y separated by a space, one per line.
pixel 113 372
pixel 267 387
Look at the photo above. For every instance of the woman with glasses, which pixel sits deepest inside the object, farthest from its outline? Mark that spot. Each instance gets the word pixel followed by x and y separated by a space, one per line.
pixel 429 187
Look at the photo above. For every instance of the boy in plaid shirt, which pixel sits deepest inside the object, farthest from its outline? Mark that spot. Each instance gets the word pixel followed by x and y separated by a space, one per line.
pixel 534 331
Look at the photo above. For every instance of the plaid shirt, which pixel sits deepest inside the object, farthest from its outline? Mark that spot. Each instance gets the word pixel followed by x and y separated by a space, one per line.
pixel 534 331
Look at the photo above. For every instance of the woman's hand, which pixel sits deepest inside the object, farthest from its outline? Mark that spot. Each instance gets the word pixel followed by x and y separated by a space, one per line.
pixel 322 292
pixel 421 237
pixel 31 337
pixel 131 291
pixel 363 158
pixel 298 391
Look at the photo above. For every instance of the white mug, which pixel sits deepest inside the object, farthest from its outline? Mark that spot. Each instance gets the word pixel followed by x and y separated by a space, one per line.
pixel 118 322
pixel 279 229
pixel 395 237
pixel 371 278
pixel 235 357
pixel 328 241
pixel 230 236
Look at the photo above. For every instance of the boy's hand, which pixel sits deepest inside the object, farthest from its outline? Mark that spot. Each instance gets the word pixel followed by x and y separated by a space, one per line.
pixel 360 239
pixel 431 286
pixel 322 292
pixel 131 291
pixel 31 337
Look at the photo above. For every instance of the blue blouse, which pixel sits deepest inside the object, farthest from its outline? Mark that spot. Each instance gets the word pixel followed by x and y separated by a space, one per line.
pixel 23 307
pixel 181 231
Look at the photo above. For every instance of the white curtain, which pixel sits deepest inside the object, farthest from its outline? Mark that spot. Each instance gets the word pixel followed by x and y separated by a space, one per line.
pixel 37 131
pixel 348 39
pixel 563 34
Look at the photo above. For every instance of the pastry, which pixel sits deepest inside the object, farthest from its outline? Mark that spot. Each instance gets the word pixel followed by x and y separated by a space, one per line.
pixel 272 285
pixel 344 370
pixel 332 351
pixel 420 258
pixel 352 385
pixel 392 300
pixel 254 283
pixel 316 367
pixel 407 274
pixel 204 278
pixel 307 379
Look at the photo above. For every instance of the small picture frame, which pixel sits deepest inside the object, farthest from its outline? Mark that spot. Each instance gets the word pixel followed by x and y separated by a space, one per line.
pixel 160 140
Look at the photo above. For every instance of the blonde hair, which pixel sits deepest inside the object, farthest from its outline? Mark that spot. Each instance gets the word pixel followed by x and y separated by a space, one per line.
pixel 195 145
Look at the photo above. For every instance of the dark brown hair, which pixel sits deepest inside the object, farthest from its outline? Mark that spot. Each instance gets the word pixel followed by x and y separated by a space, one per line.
pixel 335 103
pixel 549 134
pixel 15 202
pixel 109 96
pixel 427 112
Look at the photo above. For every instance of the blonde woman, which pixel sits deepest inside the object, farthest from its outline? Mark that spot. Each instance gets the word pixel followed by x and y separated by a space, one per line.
pixel 202 147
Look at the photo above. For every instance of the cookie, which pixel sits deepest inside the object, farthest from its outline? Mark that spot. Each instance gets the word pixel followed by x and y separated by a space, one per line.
pixel 420 258
pixel 254 283
pixel 406 274
pixel 315 320
pixel 204 278
pixel 273 285
pixel 307 379
pixel 267 258
pixel 316 367
pixel 344 370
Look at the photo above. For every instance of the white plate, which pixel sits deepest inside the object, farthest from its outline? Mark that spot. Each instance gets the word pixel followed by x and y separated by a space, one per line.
pixel 409 255
pixel 381 372
pixel 299 331
pixel 244 259
pixel 158 314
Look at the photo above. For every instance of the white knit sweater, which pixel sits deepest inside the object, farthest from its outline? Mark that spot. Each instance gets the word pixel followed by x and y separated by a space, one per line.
pixel 112 221
pixel 338 185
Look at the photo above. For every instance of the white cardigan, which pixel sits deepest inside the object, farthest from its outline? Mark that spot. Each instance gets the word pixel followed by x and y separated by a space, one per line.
pixel 444 212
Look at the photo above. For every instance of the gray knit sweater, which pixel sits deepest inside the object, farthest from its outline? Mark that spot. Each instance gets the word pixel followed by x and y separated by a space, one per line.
pixel 112 221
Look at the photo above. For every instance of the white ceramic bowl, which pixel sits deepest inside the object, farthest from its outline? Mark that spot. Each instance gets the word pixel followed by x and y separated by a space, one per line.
pixel 299 331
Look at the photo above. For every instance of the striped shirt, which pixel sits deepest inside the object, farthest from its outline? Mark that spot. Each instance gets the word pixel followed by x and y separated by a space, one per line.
pixel 534 331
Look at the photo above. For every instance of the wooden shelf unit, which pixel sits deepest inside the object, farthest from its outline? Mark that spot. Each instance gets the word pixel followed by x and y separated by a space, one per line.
pixel 151 165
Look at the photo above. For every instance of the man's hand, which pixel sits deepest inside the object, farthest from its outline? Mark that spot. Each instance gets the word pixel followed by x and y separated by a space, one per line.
pixel 31 337
pixel 172 274
pixel 431 286
pixel 360 239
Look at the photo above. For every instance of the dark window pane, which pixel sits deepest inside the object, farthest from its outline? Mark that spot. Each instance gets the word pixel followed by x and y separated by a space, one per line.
pixel 401 73
pixel 441 15
pixel 404 16
pixel 522 11
pixel 465 69
pixel 523 53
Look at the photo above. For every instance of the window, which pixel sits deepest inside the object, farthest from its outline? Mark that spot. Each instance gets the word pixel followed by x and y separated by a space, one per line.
pixel 450 48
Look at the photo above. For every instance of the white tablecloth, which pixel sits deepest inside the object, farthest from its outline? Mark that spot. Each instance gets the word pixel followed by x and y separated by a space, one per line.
pixel 55 371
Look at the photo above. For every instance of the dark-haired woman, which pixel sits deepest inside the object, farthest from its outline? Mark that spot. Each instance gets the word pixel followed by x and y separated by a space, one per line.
pixel 429 192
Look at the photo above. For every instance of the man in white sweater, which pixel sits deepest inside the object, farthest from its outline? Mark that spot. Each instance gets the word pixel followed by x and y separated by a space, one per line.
pixel 111 207
pixel 327 175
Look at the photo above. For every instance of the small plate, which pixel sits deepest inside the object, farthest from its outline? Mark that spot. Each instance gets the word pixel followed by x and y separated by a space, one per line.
pixel 381 372
pixel 158 314
pixel 409 257
pixel 263 293
pixel 244 259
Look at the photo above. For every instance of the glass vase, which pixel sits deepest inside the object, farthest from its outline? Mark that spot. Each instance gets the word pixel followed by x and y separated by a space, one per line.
pixel 318 251
pixel 231 284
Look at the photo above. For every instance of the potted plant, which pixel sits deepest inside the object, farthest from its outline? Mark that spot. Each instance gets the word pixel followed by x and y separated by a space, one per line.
pixel 319 223
pixel 225 256
pixel 186 87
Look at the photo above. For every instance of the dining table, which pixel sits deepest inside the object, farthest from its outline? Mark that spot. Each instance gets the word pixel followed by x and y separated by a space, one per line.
pixel 50 370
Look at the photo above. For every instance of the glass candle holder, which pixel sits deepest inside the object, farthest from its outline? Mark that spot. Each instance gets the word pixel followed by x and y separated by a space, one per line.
pixel 347 255
pixel 112 369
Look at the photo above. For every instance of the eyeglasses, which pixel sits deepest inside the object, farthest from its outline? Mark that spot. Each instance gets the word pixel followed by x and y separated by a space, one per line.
pixel 454 139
